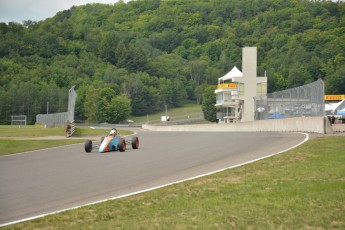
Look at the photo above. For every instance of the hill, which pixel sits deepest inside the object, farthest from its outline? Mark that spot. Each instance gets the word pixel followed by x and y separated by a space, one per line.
pixel 139 56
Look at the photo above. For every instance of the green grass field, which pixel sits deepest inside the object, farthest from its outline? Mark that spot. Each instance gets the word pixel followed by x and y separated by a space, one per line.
pixel 187 110
pixel 40 131
pixel 8 145
pixel 303 188
pixel 18 146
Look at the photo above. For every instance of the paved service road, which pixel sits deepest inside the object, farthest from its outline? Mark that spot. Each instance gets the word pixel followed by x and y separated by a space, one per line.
pixel 45 181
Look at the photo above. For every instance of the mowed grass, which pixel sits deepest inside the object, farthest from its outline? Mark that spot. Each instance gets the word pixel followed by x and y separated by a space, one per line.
pixel 18 146
pixel 303 188
pixel 30 131
pixel 8 145
pixel 186 110
pixel 40 131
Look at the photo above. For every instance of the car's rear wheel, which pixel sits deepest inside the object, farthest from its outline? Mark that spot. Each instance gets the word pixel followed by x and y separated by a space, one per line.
pixel 88 146
pixel 122 145
pixel 135 142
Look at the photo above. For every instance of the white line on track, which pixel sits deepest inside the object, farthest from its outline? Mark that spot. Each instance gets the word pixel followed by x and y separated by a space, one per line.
pixel 154 188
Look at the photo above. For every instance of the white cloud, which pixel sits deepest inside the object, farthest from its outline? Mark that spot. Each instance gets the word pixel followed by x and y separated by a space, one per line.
pixel 37 10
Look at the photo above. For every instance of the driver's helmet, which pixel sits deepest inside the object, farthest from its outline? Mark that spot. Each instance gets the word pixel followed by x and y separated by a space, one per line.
pixel 113 132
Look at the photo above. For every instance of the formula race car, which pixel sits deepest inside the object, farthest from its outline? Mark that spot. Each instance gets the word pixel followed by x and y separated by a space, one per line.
pixel 112 142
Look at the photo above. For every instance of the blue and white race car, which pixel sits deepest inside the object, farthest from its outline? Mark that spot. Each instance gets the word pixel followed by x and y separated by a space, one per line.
pixel 112 142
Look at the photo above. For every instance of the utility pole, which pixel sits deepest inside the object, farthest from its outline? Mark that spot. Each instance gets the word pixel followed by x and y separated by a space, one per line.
pixel 47 121
pixel 166 115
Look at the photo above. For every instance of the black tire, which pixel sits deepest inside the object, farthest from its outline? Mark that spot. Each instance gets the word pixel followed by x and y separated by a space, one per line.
pixel 88 146
pixel 135 142
pixel 122 145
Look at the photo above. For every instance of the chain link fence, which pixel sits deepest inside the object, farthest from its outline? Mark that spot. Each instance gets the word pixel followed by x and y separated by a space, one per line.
pixel 60 119
pixel 302 101
pixel 52 120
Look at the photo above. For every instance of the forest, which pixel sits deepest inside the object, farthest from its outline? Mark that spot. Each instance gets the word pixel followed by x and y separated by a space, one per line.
pixel 136 58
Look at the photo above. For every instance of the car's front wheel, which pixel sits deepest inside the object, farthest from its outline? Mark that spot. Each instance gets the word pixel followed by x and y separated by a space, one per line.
pixel 88 146
pixel 135 142
pixel 122 145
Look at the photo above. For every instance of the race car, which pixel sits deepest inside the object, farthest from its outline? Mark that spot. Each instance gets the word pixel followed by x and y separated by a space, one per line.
pixel 112 142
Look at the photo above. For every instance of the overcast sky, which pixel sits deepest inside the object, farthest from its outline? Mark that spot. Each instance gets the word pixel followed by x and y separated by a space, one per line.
pixel 37 10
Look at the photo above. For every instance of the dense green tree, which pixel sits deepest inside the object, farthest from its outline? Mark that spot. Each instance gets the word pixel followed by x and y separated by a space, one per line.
pixel 161 53
pixel 208 104
pixel 197 71
pixel 335 84
pixel 90 105
pixel 118 109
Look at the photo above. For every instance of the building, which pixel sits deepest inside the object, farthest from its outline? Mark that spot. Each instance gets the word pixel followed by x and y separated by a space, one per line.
pixel 236 90
pixel 335 104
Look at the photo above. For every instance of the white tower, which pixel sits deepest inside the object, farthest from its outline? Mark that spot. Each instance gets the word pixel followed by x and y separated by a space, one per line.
pixel 249 63
pixel 238 96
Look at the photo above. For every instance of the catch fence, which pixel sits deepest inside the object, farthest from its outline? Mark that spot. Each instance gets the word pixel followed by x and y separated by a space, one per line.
pixel 302 101
pixel 60 119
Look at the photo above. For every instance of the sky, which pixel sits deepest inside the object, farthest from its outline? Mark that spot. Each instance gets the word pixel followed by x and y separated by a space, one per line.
pixel 37 10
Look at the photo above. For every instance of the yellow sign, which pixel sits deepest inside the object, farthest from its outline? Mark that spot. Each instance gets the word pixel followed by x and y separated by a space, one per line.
pixel 334 97
pixel 227 86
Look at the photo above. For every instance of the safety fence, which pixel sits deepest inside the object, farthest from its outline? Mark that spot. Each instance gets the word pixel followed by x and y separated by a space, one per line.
pixel 302 101
pixel 52 120
pixel 60 119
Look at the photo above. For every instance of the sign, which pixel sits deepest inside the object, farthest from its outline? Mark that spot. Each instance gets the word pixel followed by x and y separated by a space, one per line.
pixel 334 97
pixel 227 86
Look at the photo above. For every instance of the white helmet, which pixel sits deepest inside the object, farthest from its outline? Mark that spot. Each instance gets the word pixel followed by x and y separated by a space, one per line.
pixel 112 132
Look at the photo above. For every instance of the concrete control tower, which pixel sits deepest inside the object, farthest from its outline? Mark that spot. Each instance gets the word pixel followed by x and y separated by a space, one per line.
pixel 236 90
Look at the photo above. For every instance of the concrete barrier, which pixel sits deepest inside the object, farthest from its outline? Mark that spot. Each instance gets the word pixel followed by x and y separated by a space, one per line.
pixel 299 124
pixel 338 127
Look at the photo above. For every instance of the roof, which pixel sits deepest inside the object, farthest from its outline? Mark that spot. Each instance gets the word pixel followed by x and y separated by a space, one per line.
pixel 233 73
pixel 335 106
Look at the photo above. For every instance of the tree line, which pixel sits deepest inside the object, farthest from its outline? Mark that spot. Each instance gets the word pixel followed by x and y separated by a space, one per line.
pixel 136 57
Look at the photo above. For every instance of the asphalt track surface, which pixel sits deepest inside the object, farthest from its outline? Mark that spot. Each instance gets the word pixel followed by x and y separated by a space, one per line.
pixel 40 182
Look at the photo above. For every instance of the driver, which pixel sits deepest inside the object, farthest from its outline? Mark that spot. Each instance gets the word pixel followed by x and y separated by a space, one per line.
pixel 113 132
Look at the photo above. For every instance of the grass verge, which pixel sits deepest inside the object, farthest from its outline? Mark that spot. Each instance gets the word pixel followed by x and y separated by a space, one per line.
pixel 30 131
pixel 17 146
pixel 186 110
pixel 8 145
pixel 40 131
pixel 303 188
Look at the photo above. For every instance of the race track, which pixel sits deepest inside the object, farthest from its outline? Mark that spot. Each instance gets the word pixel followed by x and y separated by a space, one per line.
pixel 40 182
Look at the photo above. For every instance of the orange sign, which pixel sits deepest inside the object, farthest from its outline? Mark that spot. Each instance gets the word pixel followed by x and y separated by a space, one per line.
pixel 227 86
pixel 334 97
